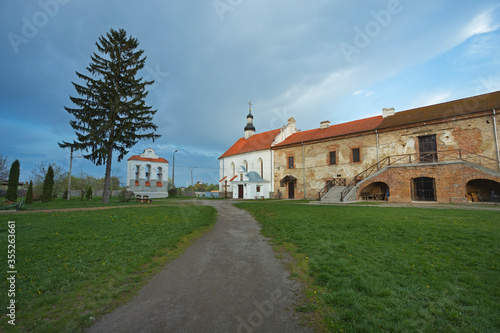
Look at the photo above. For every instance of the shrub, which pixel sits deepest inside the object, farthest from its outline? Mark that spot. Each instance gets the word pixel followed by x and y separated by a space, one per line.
pixel 173 192
pixel 29 194
pixel 13 181
pixel 88 194
pixel 126 196
pixel 48 185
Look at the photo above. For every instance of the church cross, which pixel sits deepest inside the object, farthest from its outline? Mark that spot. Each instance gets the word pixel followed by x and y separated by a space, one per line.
pixel 250 105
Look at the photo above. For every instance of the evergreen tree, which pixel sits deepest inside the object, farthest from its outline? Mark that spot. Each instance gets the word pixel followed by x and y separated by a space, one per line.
pixel 111 111
pixel 13 181
pixel 29 194
pixel 48 185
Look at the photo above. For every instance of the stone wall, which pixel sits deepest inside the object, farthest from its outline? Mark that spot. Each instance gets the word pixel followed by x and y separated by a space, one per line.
pixel 473 133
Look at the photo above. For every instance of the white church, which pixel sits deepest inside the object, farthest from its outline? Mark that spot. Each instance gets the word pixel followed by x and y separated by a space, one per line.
pixel 147 174
pixel 246 168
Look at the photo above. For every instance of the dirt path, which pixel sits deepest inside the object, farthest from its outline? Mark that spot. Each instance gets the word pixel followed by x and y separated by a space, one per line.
pixel 227 281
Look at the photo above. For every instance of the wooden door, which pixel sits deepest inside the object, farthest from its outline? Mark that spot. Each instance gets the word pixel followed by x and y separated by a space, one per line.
pixel 240 191
pixel 427 148
pixel 291 190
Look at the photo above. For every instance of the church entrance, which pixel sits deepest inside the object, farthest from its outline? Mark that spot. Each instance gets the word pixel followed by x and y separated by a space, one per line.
pixel 240 191
pixel 291 190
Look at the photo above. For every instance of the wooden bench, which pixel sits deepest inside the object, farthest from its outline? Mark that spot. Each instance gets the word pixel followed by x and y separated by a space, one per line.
pixel 143 199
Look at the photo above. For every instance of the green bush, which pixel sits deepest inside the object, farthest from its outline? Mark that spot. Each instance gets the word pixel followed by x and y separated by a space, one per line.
pixel 126 196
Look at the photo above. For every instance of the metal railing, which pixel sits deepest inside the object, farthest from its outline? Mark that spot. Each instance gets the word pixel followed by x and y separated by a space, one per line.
pixel 332 183
pixel 422 158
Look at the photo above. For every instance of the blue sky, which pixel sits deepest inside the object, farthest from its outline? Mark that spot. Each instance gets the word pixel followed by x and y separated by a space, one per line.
pixel 313 60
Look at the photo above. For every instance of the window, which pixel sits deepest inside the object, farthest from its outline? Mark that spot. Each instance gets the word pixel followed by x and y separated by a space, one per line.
pixel 290 162
pixel 148 172
pixel 423 189
pixel 233 168
pixel 241 177
pixel 261 164
pixel 137 171
pixel 258 189
pixel 333 157
pixel 356 156
pixel 159 175
pixel 427 148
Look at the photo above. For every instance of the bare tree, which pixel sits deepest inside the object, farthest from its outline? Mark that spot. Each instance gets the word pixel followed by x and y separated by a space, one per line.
pixel 4 167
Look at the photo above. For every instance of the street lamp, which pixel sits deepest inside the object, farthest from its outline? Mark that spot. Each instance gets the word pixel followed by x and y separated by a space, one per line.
pixel 70 165
pixel 173 168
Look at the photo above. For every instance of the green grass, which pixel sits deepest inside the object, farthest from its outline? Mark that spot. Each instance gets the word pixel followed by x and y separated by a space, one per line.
pixel 376 269
pixel 74 266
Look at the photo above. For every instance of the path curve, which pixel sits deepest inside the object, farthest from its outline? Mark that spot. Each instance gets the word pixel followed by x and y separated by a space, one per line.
pixel 228 281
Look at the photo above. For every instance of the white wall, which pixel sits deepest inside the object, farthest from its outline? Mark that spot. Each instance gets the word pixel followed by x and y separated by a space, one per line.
pixel 252 158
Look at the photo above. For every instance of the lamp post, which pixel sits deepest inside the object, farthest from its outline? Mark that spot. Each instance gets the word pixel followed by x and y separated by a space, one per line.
pixel 173 168
pixel 70 165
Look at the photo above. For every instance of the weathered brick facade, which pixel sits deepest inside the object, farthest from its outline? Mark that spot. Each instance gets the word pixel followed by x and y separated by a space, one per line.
pixel 462 127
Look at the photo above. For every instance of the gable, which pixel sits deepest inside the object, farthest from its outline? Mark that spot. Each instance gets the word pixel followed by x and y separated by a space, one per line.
pixel 256 142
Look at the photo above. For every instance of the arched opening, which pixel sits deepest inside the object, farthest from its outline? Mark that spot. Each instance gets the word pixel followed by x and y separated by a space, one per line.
pixel 233 169
pixel 482 190
pixel 423 189
pixel 245 164
pixel 148 173
pixel 137 172
pixel 159 175
pixel 375 191
pixel 260 163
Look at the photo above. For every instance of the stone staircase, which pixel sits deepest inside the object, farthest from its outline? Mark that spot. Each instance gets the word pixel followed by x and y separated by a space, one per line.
pixel 333 196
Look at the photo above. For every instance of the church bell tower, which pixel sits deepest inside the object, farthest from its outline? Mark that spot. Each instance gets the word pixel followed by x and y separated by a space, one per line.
pixel 249 128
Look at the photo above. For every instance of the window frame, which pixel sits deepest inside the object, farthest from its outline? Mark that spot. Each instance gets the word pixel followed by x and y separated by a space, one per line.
pixel 291 159
pixel 334 152
pixel 358 155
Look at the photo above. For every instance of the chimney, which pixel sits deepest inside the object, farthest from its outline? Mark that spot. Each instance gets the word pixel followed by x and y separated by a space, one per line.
pixel 387 112
pixel 324 124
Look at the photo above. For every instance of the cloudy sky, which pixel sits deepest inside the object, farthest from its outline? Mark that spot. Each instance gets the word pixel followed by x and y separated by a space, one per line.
pixel 314 60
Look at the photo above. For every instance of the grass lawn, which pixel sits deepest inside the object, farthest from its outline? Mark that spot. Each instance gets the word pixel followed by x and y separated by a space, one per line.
pixel 376 269
pixel 74 266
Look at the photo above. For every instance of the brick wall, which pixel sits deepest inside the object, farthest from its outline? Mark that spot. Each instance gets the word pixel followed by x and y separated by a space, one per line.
pixel 450 180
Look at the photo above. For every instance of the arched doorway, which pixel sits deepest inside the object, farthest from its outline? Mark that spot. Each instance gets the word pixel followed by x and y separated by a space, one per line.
pixel 423 189
pixel 483 190
pixel 375 191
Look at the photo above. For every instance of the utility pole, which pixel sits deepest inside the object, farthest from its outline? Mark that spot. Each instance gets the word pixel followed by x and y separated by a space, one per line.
pixel 70 165
pixel 173 168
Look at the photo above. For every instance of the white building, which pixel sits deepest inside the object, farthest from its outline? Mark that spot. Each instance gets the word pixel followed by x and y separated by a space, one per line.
pixel 246 168
pixel 147 174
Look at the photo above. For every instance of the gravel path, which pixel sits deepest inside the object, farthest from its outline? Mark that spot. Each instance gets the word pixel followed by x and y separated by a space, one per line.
pixel 227 281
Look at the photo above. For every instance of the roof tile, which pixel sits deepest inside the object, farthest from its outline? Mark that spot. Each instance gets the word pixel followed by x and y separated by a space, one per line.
pixel 256 142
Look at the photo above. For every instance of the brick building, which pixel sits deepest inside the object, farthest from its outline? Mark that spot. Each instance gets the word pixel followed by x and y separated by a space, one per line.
pixel 446 153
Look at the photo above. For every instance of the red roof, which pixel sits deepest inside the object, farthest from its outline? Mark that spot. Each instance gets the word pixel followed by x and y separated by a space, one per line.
pixel 256 142
pixel 351 127
pixel 139 158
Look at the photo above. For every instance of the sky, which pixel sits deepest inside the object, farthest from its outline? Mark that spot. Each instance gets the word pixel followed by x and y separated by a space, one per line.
pixel 313 60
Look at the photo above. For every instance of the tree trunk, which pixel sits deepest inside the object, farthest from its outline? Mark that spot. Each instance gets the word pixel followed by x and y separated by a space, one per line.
pixel 107 176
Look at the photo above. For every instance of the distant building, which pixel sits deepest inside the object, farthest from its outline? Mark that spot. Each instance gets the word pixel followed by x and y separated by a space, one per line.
pixel 246 168
pixel 147 174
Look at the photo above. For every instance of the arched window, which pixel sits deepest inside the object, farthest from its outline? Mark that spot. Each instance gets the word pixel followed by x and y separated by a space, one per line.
pixel 159 175
pixel 137 172
pixel 245 164
pixel 233 168
pixel 148 173
pixel 260 164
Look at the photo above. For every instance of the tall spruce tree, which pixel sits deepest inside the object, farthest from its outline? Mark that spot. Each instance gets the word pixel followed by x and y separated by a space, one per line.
pixel 111 111
pixel 13 181
pixel 48 185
